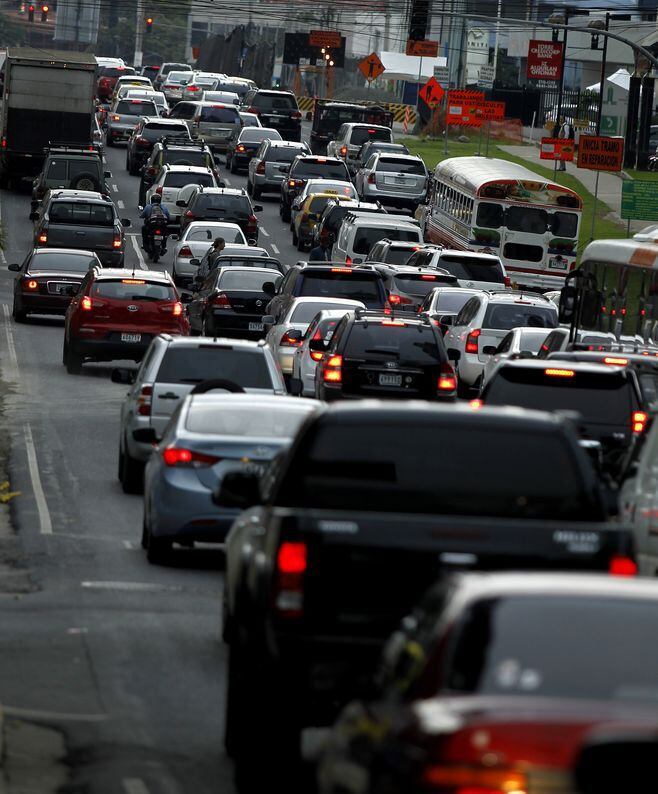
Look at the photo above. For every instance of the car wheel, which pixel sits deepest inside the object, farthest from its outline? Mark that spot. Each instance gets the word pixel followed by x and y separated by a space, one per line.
pixel 157 549
pixel 73 362
pixel 132 474
pixel 19 315
pixel 145 533
pixel 256 192
pixel 285 213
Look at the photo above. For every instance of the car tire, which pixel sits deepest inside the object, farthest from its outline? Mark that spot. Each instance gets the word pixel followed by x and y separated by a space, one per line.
pixel 144 542
pixel 158 550
pixel 73 362
pixel 256 192
pixel 19 315
pixel 285 213
pixel 131 474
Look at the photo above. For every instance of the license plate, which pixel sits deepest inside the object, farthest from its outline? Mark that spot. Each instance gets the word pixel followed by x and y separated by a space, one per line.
pixel 557 263
pixel 256 327
pixel 390 380
pixel 157 238
pixel 131 337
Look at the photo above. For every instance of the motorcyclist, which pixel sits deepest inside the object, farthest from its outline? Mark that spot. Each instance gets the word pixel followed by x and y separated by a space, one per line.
pixel 152 212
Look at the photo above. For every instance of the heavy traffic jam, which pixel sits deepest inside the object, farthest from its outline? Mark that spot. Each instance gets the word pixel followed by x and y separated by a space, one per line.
pixel 412 416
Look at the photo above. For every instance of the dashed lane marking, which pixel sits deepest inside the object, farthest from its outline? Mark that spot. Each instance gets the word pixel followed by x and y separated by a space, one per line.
pixel 115 188
pixel 275 249
pixel 264 232
pixel 12 368
pixel 138 251
pixel 135 587
pixel 120 204
pixel 45 523
pixel 3 259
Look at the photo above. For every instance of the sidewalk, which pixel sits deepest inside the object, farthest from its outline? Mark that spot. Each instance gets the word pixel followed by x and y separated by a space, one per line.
pixel 609 184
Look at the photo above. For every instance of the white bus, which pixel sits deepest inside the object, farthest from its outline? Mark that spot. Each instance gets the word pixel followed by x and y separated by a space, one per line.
pixel 494 206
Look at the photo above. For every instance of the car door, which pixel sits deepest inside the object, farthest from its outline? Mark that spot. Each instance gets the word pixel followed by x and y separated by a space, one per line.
pixel 456 335
pixel 276 307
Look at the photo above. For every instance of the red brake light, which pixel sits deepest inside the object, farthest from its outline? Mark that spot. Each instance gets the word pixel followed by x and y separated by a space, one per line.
pixel 397 300
pixel 343 151
pixel 186 252
pixel 316 355
pixel 622 566
pixel 189 214
pixel 472 341
pixel 43 237
pixel 342 269
pixel 116 243
pixel 86 304
pixel 192 88
pixel 295 115
pixel 260 168
pixel 252 223
pixel 158 190
pixel 613 361
pixel 332 370
pixel 144 399
pixel 507 282
pixel 428 278
pixel 221 301
pixel 371 132
pixel 447 380
pixel 177 309
pixel 291 563
pixel 559 373
pixel 371 179
pixel 639 421
pixel 31 284
pixel 475 780
pixel 292 558
pixel 288 341
pixel 178 456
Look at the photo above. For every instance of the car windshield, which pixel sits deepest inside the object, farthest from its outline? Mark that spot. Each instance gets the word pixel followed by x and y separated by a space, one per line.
pixel 414 343
pixel 136 107
pixel 362 134
pixel 374 466
pixel 605 398
pixel 220 115
pixel 506 316
pixel 78 213
pixel 367 236
pixel 364 287
pixel 314 170
pixel 452 302
pixel 253 421
pixel 238 279
pixel 54 261
pixel 305 312
pixel 275 102
pixel 517 645
pixel 472 268
pixel 400 166
pixel 258 134
pixel 132 289
pixel 224 203
pixel 180 179
pixel 319 203
pixel 247 368
pixel 154 131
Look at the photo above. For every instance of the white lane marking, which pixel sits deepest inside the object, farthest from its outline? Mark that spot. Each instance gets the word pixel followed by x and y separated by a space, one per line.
pixel 120 204
pixel 138 250
pixel 264 232
pixel 227 181
pixel 140 587
pixel 275 249
pixel 36 714
pixel 115 188
pixel 128 544
pixel 134 785
pixel 3 259
pixel 12 369
pixel 45 523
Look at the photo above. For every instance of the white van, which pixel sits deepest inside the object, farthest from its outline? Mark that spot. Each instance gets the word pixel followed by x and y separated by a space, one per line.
pixel 471 268
pixel 358 234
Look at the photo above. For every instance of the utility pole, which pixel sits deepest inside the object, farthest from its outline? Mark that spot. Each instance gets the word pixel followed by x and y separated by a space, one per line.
pixel 497 39
pixel 139 35
pixel 599 115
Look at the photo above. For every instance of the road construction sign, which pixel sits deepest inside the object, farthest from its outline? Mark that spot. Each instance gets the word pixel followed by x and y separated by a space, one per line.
pixel 372 67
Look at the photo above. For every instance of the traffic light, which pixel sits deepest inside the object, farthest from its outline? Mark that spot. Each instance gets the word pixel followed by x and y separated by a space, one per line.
pixel 30 13
pixel 149 24
pixel 44 13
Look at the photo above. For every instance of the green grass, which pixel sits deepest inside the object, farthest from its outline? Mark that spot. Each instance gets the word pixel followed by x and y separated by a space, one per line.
pixel 647 176
pixel 432 152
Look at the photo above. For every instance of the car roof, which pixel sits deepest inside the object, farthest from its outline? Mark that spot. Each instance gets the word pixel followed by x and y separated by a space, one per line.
pixel 159 276
pixel 221 191
pixel 161 120
pixel 400 156
pixel 203 341
pixel 268 401
pixel 462 290
pixel 237 268
pixel 328 298
pixel 79 195
pixel 354 124
pixel 459 252
pixel 285 144
pixel 319 158
pixel 507 296
pixel 372 218
pixel 194 169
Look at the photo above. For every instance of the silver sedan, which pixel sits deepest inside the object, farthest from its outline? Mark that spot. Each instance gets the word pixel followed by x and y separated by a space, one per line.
pixel 195 242
pixel 395 179
pixel 210 435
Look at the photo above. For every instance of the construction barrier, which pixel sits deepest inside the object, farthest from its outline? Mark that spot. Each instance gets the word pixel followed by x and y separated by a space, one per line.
pixel 306 103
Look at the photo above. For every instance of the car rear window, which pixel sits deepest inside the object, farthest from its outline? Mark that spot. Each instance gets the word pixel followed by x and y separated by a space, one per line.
pixel 516 646
pixel 73 263
pixel 186 157
pixel 220 115
pixel 154 131
pixel 115 71
pixel 248 368
pixel 77 213
pixel 374 467
pixel 136 107
pixel 506 316
pixel 334 188
pixel 178 179
pixel 414 343
pixel 132 289
pixel 397 256
pixel 243 279
pixel 258 134
pixel 283 154
pixel 399 166
pixel 305 312
pixel 367 236
pixel 235 88
pixel 472 268
pixel 355 286
pixel 274 102
pixel 452 302
pixel 362 134
pixel 204 81
pixel 605 398
pixel 319 203
pixel 314 170
pixel 418 284
pixel 230 204
pixel 253 421
pixel 176 77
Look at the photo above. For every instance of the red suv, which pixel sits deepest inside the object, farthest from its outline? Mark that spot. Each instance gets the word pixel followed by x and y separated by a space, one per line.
pixel 116 314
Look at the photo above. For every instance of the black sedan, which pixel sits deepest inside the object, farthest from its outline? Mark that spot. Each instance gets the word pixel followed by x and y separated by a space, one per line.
pixel 48 279
pixel 232 304
pixel 244 143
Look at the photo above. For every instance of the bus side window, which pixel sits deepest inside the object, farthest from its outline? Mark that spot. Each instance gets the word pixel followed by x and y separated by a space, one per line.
pixel 490 216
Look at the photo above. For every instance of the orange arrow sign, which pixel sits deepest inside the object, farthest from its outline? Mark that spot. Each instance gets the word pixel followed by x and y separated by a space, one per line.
pixel 371 67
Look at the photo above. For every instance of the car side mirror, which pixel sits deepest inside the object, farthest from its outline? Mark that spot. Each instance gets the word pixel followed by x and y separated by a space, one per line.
pixel 181 203
pixel 489 350
pixel 122 375
pixel 15 268
pixel 238 489
pixel 146 435
pixel 295 335
pixel 107 174
pixel 447 319
pixel 258 207
pixel 194 262
pixel 34 216
pixel 268 319
pixel 453 355
pixel 126 222
pixel 269 288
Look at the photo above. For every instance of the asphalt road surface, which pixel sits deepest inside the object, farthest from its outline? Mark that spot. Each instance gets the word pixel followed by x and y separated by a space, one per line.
pixel 123 657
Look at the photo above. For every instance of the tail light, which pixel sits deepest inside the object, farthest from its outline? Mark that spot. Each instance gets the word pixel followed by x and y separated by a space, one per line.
pixel 507 281
pixel 291 566
pixel 192 88
pixel 142 141
pixel 288 341
pixel 86 304
pixel 447 380
pixel 116 243
pixel 622 566
pixel 316 355
pixel 343 151
pixel 554 372
pixel 4 143
pixel 189 214
pixel 260 168
pixel 252 224
pixel 158 190
pixel 221 301
pixel 177 309
pixel 639 421
pixel 371 179
pixel 144 400
pixel 476 404
pixel 116 118
pixel 239 147
pixel 296 115
pixel 187 458
pixel 472 341
pixel 613 361
pixel 185 252
pixel 30 284
pixel 348 260
pixel 332 369
pixel 43 237
pixel 398 300
pixel 254 110
pixel 474 780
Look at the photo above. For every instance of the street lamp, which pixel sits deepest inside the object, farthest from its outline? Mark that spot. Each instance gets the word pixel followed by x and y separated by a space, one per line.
pixel 562 19
pixel 598 25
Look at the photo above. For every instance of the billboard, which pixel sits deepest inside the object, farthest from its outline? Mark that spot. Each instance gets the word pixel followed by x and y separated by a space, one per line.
pixel 77 20
pixel 544 60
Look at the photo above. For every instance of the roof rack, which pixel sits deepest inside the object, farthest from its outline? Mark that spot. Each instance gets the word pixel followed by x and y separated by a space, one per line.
pixel 179 140
pixel 71 146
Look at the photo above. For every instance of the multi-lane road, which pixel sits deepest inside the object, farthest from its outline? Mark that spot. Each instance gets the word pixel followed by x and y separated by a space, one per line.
pixel 124 658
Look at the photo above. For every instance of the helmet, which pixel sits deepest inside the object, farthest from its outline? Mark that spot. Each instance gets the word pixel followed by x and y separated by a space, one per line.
pixel 156 198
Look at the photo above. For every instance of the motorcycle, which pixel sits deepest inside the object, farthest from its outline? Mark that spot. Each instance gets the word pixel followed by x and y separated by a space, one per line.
pixel 156 239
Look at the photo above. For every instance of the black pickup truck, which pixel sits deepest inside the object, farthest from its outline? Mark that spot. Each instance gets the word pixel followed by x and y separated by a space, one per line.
pixel 346 532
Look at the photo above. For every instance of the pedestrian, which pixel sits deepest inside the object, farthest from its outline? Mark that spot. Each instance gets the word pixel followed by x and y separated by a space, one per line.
pixel 322 251
pixel 208 263
pixel 566 131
